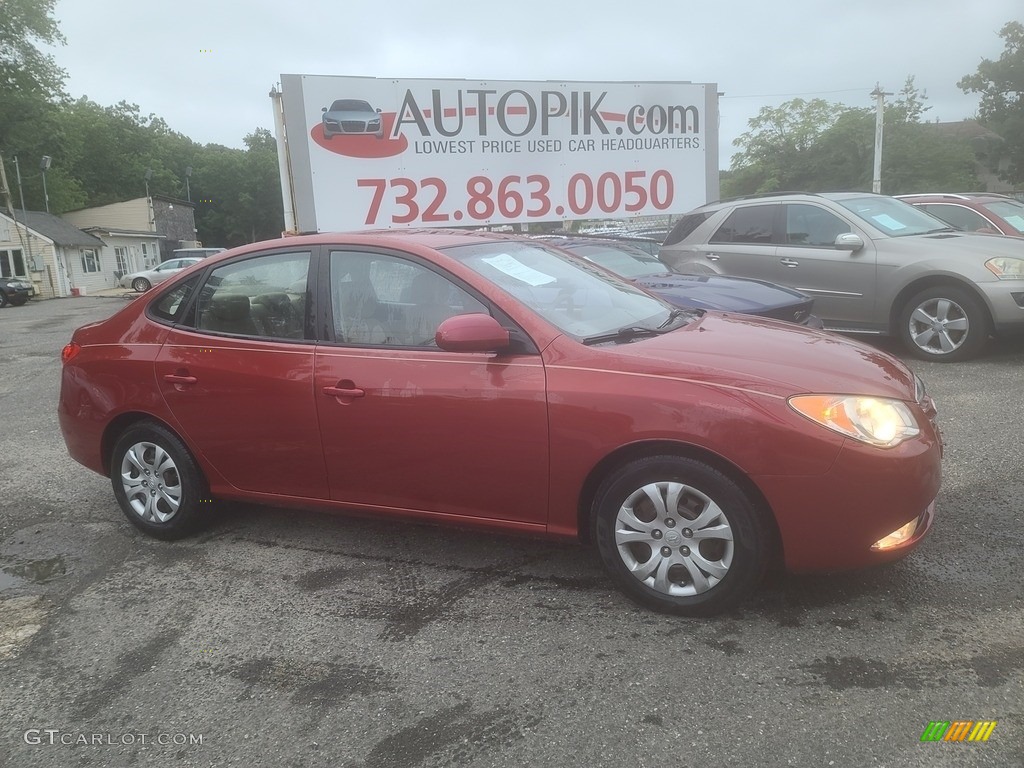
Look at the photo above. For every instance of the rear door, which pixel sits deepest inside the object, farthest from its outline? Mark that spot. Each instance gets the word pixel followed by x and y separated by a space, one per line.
pixel 743 245
pixel 241 386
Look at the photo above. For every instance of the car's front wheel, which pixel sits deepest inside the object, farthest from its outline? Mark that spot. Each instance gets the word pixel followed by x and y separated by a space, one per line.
pixel 944 324
pixel 141 284
pixel 679 536
pixel 4 301
pixel 156 481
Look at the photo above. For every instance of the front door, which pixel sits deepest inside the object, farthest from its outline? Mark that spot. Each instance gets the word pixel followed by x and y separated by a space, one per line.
pixel 841 282
pixel 408 426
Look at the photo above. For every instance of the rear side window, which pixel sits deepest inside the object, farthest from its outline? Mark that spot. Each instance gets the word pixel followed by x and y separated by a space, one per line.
pixel 685 227
pixel 751 224
pixel 170 306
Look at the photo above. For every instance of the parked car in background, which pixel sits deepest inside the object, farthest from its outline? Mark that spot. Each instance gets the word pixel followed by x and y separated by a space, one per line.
pixel 351 116
pixel 873 264
pixel 718 292
pixel 14 291
pixel 147 278
pixel 495 381
pixel 198 253
pixel 648 245
pixel 982 212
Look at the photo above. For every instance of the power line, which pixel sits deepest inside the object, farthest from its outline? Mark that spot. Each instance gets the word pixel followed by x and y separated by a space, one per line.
pixel 780 95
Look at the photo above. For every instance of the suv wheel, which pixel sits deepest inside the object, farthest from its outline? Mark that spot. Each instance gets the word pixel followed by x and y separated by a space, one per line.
pixel 944 324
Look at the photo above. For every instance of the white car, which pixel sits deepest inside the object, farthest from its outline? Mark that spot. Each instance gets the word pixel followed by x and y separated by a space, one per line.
pixel 146 279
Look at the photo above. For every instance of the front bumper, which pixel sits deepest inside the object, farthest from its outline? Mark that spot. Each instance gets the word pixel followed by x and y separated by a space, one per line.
pixel 829 522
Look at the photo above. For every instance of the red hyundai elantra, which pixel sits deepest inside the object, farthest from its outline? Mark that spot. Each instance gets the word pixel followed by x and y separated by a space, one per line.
pixel 488 380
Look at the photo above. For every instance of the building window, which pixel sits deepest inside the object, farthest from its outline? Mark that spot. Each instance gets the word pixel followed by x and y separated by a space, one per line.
pixel 12 263
pixel 121 254
pixel 90 261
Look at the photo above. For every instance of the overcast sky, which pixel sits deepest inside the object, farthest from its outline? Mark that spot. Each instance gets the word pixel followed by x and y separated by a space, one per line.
pixel 206 66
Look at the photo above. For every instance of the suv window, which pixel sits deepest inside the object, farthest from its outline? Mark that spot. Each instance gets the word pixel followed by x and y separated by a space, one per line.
pixel 814 226
pixel 685 226
pixel 750 224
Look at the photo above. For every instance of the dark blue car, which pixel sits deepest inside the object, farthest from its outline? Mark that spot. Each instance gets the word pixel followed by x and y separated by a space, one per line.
pixel 725 294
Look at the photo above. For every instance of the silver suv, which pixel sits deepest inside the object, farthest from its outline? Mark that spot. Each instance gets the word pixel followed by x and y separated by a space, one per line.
pixel 873 264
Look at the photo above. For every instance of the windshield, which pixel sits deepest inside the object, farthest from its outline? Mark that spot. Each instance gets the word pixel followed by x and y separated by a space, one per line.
pixel 894 217
pixel 1011 212
pixel 621 259
pixel 572 295
pixel 350 105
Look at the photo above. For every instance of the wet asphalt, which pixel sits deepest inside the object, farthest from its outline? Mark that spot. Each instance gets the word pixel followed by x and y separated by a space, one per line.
pixel 286 638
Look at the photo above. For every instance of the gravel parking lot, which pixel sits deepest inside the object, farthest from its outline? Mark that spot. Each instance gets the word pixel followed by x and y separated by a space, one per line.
pixel 285 638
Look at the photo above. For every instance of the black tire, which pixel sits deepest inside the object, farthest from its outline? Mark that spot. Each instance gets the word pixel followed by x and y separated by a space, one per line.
pixel 944 324
pixel 730 572
pixel 141 284
pixel 4 301
pixel 155 449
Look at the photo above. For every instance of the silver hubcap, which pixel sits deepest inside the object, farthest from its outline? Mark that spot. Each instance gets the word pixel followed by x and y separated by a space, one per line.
pixel 151 482
pixel 674 539
pixel 939 326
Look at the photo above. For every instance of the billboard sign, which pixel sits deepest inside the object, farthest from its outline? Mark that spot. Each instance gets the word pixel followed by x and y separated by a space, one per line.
pixel 369 153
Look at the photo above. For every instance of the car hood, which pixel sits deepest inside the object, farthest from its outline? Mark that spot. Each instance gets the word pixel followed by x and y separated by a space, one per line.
pixel 966 244
pixel 729 294
pixel 767 356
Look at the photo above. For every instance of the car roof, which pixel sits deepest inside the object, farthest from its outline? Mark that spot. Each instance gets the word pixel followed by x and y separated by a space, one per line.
pixel 951 197
pixel 786 196
pixel 431 238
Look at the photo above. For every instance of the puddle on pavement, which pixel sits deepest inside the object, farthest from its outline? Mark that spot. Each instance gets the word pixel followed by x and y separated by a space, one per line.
pixel 34 571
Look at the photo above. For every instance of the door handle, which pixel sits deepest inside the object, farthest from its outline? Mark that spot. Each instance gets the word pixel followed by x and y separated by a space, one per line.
pixel 789 262
pixel 343 392
pixel 178 378
pixel 712 256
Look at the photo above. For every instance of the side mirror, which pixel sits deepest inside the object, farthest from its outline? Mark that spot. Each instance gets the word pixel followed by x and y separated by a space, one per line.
pixel 378 110
pixel 323 109
pixel 848 241
pixel 471 333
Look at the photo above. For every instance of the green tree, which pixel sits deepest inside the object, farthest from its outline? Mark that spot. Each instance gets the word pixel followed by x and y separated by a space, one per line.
pixel 816 146
pixel 1001 109
pixel 31 87
pixel 238 193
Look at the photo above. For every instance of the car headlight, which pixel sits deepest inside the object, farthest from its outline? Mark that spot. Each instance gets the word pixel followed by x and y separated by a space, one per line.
pixel 1006 267
pixel 874 420
pixel 19 284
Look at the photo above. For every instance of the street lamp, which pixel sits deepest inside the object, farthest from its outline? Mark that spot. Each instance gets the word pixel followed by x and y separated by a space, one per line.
pixel 44 166
pixel 188 190
pixel 148 176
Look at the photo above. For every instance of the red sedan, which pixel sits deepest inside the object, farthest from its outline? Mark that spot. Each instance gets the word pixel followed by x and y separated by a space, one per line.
pixel 492 381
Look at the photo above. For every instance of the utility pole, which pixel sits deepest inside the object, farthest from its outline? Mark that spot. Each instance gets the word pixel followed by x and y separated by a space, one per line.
pixel 21 193
pixel 879 94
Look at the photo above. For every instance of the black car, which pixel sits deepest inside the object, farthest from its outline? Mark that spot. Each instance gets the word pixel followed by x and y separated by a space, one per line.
pixel 14 291
pixel 718 292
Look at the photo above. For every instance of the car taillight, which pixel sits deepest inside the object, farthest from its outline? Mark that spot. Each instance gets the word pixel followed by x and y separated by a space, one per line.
pixel 68 353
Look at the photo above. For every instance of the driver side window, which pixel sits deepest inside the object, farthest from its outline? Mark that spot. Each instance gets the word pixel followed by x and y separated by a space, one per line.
pixel 383 300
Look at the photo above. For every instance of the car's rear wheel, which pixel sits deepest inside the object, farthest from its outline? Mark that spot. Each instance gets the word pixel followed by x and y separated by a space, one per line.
pixel 679 536
pixel 141 284
pixel 156 481
pixel 944 323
